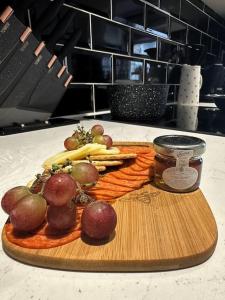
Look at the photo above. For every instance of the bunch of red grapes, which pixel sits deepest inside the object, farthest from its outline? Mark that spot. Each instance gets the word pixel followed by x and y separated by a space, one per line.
pixel 80 138
pixel 55 204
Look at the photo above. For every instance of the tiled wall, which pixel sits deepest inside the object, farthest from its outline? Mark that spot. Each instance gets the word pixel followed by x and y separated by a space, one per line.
pixel 134 41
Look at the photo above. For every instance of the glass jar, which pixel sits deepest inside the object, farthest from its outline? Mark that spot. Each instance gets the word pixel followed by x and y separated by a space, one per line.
pixel 178 162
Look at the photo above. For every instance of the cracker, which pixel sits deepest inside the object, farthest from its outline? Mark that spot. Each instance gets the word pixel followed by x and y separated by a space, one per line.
pixel 106 163
pixel 112 157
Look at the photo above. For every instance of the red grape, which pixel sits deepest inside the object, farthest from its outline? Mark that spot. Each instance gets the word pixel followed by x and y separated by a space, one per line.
pixel 71 143
pixel 98 220
pixel 12 196
pixel 60 189
pixel 97 130
pixel 108 141
pixel 85 173
pixel 29 213
pixel 63 217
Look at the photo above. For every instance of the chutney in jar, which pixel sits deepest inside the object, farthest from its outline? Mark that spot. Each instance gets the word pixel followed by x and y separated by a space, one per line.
pixel 178 162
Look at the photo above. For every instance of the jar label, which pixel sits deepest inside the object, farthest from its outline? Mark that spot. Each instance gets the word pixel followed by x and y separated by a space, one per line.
pixel 182 176
pixel 180 180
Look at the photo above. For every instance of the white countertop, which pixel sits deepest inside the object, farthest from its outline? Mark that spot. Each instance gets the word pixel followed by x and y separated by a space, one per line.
pixel 21 157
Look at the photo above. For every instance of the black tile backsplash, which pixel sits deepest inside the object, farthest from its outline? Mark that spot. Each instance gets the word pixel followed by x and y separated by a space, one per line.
pixel 101 7
pixel 155 73
pixel 193 36
pixel 168 51
pixel 143 44
pixel 101 98
pixel 87 66
pixel 171 6
pixel 81 22
pixel 193 16
pixel 207 41
pixel 127 70
pixel 178 31
pixel 157 22
pixel 129 12
pixel 133 41
pixel 173 74
pixel 109 36
pixel 154 2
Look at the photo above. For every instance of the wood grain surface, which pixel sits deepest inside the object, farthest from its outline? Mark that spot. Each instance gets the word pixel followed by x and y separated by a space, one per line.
pixel 156 230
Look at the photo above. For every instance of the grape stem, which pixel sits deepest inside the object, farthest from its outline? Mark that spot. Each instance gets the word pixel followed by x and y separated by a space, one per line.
pixel 82 197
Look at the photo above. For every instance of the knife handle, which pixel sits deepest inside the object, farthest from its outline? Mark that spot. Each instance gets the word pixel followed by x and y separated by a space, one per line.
pixel 6 14
pixel 68 81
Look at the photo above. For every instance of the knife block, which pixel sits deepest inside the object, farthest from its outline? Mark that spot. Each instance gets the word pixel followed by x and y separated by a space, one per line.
pixel 32 79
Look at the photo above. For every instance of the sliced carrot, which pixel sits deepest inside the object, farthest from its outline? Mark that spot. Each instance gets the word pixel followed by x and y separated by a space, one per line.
pixel 145 160
pixel 39 241
pixel 107 193
pixel 134 149
pixel 133 172
pixel 110 186
pixel 136 167
pixel 122 182
pixel 121 175
pixel 142 164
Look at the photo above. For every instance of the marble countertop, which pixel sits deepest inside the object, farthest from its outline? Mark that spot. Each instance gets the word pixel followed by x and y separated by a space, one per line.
pixel 21 156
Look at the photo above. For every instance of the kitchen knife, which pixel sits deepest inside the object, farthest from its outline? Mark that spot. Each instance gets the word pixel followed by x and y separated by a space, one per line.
pixel 26 52
pixel 38 67
pixel 52 86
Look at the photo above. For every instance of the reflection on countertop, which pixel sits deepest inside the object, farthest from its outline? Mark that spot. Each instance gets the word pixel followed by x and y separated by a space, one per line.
pixel 205 118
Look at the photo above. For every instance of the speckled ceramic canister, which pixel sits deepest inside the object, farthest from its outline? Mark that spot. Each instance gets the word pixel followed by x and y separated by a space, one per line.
pixel 190 84
pixel 138 102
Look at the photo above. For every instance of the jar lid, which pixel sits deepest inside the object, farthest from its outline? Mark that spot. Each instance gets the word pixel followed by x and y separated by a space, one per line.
pixel 166 144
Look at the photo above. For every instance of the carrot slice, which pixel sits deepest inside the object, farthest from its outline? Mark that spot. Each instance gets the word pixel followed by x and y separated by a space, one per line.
pixel 133 172
pixel 122 182
pixel 145 160
pixel 134 149
pixel 107 193
pixel 39 241
pixel 121 175
pixel 142 164
pixel 110 186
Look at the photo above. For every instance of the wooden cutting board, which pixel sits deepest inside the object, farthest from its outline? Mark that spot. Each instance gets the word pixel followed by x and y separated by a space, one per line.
pixel 156 230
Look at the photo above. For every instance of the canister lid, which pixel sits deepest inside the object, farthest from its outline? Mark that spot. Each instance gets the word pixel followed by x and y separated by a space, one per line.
pixel 166 144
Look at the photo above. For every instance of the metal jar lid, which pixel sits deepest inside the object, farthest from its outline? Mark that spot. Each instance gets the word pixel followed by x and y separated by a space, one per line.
pixel 166 144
